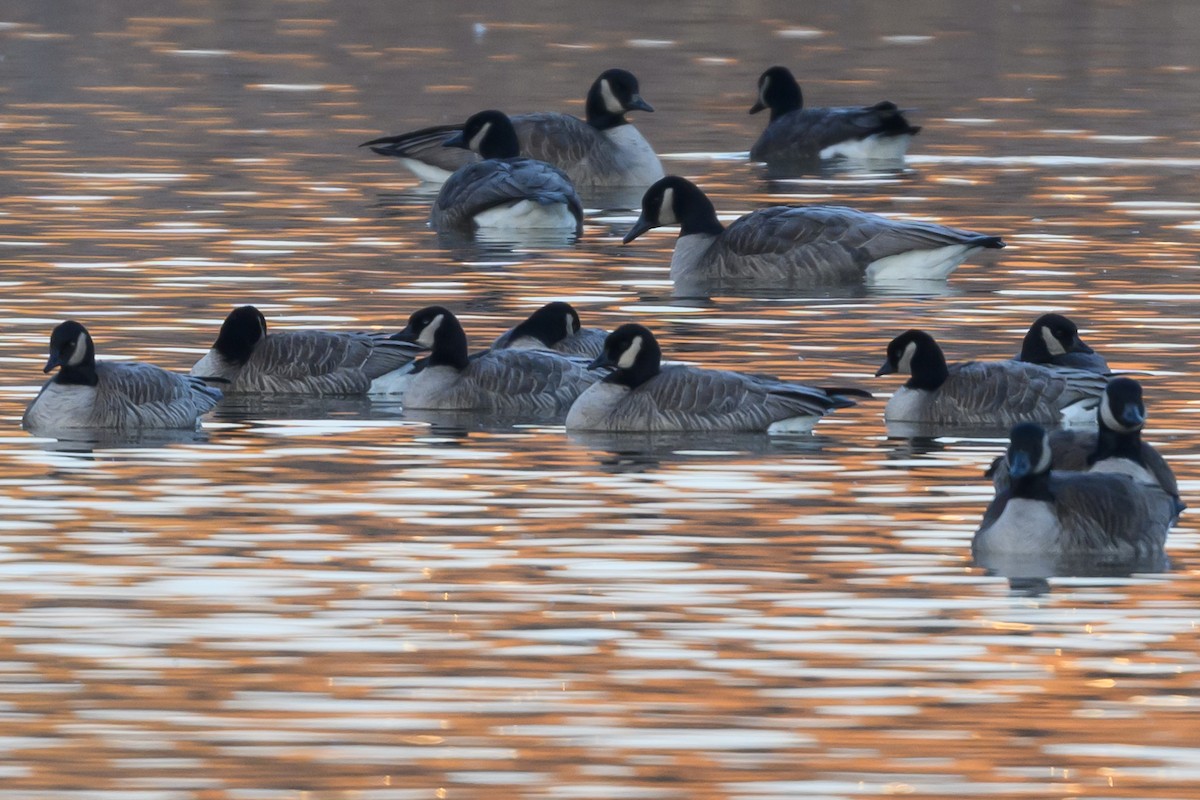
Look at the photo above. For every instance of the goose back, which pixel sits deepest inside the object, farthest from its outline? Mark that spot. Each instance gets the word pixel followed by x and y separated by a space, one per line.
pixel 502 381
pixel 497 183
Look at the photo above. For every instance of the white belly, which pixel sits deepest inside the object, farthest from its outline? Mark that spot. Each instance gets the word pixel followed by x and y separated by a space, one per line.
pixel 435 388
pixel 639 164
pixel 393 383
pixel 527 214
pixel 872 148
pixel 907 405
pixel 593 410
pixel 935 264
pixel 1026 526
pixel 803 424
pixel 61 405
pixel 1081 414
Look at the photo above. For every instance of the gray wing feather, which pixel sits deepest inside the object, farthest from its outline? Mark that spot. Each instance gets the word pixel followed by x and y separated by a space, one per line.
pixel 319 362
pixel 802 135
pixel 1007 392
pixel 683 398
pixel 522 382
pixel 1110 514
pixel 425 145
pixel 136 395
pixel 821 244
pixel 479 187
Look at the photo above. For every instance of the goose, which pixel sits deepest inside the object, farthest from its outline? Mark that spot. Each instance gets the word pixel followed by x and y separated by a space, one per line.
pixel 555 326
pixel 503 191
pixel 806 245
pixel 1115 446
pixel 245 359
pixel 640 394
pixel 987 393
pixel 797 134
pixel 508 381
pixel 1073 514
pixel 114 395
pixel 606 150
pixel 1054 340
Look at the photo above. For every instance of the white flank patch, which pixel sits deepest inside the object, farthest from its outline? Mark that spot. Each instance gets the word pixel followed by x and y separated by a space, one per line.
pixel 611 104
pixel 1052 344
pixel 80 351
pixel 1081 413
pixel 395 382
pixel 936 264
pixel 631 353
pixel 873 148
pixel 527 214
pixel 429 332
pixel 803 424
pixel 478 138
pixel 426 172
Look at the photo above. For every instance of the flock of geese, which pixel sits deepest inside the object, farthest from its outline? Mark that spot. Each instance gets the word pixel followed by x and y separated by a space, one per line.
pixel 1096 492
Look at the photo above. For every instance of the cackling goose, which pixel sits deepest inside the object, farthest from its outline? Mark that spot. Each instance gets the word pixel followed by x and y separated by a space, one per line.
pixel 115 395
pixel 785 245
pixel 984 393
pixel 245 359
pixel 642 395
pixel 1115 446
pixel 503 191
pixel 796 134
pixel 555 326
pixel 1083 514
pixel 502 381
pixel 603 151
pixel 1054 340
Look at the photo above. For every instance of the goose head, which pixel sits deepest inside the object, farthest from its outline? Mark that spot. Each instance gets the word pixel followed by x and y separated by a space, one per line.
pixel 550 324
pixel 489 133
pixel 633 354
pixel 241 331
pixel 73 352
pixel 1051 335
pixel 675 201
pixel 611 95
pixel 436 328
pixel 1121 408
pixel 1028 451
pixel 778 91
pixel 917 354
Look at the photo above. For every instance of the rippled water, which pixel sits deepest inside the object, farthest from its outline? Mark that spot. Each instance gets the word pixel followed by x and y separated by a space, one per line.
pixel 341 600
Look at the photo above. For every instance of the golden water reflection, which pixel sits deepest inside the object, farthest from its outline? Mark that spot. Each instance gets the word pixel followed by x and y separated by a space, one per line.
pixel 341 600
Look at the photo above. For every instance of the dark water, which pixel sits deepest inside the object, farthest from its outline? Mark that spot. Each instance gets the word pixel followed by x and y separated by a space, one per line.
pixel 339 600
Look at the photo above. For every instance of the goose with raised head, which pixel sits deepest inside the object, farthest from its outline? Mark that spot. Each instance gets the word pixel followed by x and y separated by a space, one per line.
pixel 507 381
pixel 1054 340
pixel 503 190
pixel 796 134
pixel 246 359
pixel 1098 515
pixel 120 395
pixel 555 326
pixel 604 150
pixel 641 394
pixel 984 393
pixel 799 245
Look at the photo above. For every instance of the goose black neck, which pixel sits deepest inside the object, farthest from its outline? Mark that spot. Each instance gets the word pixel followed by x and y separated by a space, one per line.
pixel 785 98
pixel 500 142
pixel 449 345
pixel 81 374
pixel 928 368
pixel 1032 487
pixel 699 216
pixel 1117 444
pixel 598 115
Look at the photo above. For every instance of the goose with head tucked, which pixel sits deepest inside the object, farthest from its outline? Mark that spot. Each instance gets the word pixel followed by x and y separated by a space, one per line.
pixel 984 393
pixel 246 359
pixel 1097 515
pixel 799 246
pixel 1115 446
pixel 555 326
pixel 604 150
pixel 643 395
pixel 507 381
pixel 1054 340
pixel 503 190
pixel 115 395
pixel 798 135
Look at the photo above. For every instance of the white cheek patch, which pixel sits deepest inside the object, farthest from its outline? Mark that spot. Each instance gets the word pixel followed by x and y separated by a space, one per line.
pixel 1110 419
pixel 666 209
pixel 762 90
pixel 631 353
pixel 611 104
pixel 429 332
pixel 1053 345
pixel 80 351
pixel 1043 464
pixel 905 363
pixel 570 326
pixel 262 328
pixel 478 138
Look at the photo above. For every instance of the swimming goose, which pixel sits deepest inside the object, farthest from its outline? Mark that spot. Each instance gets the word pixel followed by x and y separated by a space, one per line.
pixel 603 151
pixel 986 393
pixel 502 381
pixel 503 191
pixel 1115 446
pixel 798 134
pixel 106 394
pixel 1082 514
pixel 813 245
pixel 1054 340
pixel 555 326
pixel 245 359
pixel 642 395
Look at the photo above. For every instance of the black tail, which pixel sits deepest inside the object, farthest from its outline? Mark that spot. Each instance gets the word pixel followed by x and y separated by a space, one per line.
pixel 402 144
